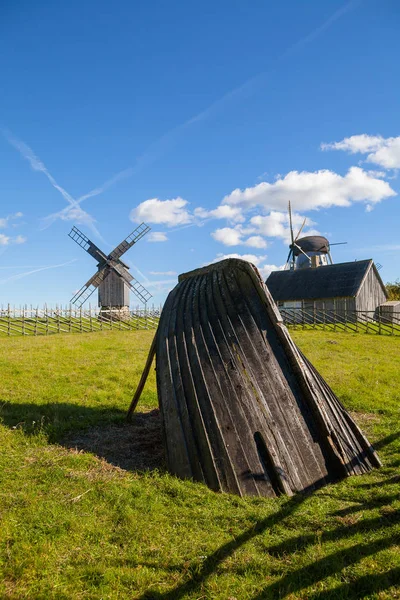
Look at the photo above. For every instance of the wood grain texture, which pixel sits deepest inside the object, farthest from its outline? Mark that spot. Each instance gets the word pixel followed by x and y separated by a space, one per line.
pixel 243 410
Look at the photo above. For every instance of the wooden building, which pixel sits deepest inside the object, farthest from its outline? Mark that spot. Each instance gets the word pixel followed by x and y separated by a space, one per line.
pixel 390 312
pixel 341 288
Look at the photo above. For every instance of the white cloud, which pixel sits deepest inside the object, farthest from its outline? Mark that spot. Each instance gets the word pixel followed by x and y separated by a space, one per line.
pixel 5 221
pixel 265 269
pixel 234 237
pixel 356 144
pixel 256 260
pixel 73 213
pixel 168 212
pixel 170 273
pixel 276 224
pixel 157 236
pixel 20 239
pixel 6 240
pixel 224 211
pixel 273 225
pixel 227 236
pixel 313 190
pixel 381 151
pixel 256 241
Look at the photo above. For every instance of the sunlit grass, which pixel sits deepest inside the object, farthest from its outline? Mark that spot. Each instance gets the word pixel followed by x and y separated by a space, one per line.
pixel 75 526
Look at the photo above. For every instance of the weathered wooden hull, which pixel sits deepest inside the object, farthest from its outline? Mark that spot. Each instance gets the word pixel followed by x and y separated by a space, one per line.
pixel 243 410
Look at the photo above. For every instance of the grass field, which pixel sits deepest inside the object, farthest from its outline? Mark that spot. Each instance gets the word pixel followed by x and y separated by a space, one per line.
pixel 88 511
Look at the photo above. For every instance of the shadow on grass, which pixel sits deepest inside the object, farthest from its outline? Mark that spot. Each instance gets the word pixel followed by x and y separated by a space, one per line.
pixel 387 440
pixel 311 574
pixel 135 446
pixel 301 578
pixel 210 565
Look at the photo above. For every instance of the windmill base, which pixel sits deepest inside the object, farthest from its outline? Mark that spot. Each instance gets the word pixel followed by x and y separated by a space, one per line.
pixel 117 313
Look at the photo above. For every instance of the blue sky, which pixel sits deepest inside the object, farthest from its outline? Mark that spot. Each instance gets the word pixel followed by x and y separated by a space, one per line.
pixel 202 120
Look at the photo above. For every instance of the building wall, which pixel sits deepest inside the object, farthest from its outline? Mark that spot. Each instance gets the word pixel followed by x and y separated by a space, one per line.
pixel 113 291
pixel 339 305
pixel 370 294
pixel 322 310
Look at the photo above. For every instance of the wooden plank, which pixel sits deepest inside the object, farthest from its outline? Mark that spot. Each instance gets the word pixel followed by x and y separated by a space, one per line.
pixel 242 409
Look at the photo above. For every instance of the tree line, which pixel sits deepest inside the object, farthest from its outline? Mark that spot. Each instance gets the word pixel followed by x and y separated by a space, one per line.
pixel 393 290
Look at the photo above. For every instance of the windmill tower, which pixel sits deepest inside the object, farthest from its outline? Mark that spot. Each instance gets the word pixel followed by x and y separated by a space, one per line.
pixel 112 277
pixel 307 252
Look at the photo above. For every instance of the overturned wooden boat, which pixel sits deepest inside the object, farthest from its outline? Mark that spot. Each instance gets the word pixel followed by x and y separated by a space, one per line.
pixel 243 410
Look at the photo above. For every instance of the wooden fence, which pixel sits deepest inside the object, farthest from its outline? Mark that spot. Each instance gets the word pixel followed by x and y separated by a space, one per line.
pixel 46 321
pixel 346 320
pixel 25 320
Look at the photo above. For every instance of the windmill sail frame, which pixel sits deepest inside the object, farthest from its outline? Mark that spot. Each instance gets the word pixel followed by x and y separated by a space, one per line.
pixel 112 272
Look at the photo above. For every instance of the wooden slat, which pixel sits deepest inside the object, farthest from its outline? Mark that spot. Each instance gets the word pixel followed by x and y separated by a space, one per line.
pixel 242 409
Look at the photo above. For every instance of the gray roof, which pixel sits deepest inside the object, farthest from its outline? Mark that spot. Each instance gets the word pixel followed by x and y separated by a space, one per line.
pixel 342 280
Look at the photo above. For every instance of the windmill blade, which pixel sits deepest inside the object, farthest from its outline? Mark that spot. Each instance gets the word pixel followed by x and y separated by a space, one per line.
pixel 288 258
pixel 302 251
pixel 128 242
pixel 300 230
pixel 290 223
pixel 84 242
pixel 137 288
pixel 90 286
pixel 121 271
pixel 140 291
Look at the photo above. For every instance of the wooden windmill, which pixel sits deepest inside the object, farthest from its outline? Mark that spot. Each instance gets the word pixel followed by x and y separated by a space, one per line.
pixel 309 251
pixel 112 278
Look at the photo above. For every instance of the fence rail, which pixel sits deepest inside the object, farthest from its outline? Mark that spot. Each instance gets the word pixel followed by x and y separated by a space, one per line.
pixel 47 321
pixel 355 321
pixel 25 321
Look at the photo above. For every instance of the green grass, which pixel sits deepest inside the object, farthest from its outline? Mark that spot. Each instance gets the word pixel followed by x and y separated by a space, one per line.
pixel 75 526
pixel 366 326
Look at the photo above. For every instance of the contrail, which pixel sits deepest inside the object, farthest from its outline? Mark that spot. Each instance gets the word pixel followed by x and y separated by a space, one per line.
pixel 20 275
pixel 159 146
pixel 142 275
pixel 251 83
pixel 37 165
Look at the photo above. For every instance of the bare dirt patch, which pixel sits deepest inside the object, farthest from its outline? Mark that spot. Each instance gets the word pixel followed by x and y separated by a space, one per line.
pixel 135 446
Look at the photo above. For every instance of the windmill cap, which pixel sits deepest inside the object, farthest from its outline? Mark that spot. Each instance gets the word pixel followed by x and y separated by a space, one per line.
pixel 312 243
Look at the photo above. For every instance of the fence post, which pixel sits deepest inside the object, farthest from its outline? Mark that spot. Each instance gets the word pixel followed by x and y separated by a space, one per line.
pixel 334 314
